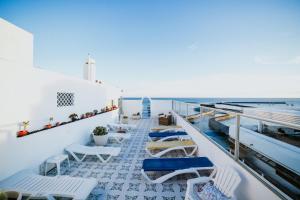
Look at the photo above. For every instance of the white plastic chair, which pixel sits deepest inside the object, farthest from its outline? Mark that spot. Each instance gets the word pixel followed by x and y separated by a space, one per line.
pixel 225 180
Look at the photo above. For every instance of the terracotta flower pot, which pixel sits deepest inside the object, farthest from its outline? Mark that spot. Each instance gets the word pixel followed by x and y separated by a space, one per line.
pixel 22 133
pixel 48 126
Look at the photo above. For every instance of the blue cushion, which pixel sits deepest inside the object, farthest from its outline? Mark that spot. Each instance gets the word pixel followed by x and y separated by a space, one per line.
pixel 166 134
pixel 171 164
pixel 210 192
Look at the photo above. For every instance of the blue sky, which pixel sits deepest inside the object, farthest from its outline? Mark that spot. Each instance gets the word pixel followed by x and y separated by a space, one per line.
pixel 170 48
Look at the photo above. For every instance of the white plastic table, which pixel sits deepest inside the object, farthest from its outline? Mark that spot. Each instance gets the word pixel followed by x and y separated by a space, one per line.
pixel 57 160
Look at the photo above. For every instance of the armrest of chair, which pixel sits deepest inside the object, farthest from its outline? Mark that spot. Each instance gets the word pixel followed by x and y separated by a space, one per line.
pixel 198 180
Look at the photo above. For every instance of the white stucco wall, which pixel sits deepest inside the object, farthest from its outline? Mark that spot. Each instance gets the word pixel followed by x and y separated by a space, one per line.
pixel 16 46
pixel 160 106
pixel 250 187
pixel 30 94
pixel 30 151
pixel 132 106
pixel 157 106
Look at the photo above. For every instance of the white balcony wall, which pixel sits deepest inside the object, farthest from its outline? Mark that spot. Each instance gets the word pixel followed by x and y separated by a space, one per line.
pixel 156 106
pixel 30 94
pixel 132 106
pixel 160 106
pixel 16 46
pixel 250 187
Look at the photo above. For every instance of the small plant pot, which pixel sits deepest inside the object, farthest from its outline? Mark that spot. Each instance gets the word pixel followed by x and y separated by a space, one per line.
pixel 22 133
pixel 100 140
pixel 12 195
pixel 48 126
pixel 124 120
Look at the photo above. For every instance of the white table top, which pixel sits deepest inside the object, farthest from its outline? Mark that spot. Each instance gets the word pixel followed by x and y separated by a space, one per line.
pixel 57 158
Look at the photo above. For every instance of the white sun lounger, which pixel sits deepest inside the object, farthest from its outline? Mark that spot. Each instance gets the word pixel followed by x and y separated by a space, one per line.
pixel 98 151
pixel 128 127
pixel 172 137
pixel 33 185
pixel 175 166
pixel 164 147
pixel 171 130
pixel 119 137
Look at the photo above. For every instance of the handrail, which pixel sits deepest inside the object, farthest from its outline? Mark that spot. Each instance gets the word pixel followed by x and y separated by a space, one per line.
pixel 287 124
pixel 238 115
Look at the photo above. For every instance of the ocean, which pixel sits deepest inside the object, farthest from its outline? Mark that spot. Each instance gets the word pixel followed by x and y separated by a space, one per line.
pixel 277 103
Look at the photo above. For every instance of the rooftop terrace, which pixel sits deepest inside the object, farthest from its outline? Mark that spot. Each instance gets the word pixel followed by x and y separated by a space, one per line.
pixel 121 177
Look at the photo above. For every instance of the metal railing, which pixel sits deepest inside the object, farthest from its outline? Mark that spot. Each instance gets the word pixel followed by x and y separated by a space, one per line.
pixel 184 110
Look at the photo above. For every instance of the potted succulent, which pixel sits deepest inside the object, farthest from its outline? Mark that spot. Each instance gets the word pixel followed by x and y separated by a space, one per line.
pixel 23 132
pixel 125 119
pixel 57 123
pixel 102 110
pixel 73 117
pixel 100 135
pixel 82 116
pixel 95 112
pixel 10 195
pixel 106 109
pixel 49 125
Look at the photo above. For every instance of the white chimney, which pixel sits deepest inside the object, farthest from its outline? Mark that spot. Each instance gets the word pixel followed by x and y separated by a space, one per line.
pixel 89 70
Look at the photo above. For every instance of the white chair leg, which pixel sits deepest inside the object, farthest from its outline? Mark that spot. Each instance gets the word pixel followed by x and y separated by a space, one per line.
pixel 46 168
pixel 69 162
pixel 58 168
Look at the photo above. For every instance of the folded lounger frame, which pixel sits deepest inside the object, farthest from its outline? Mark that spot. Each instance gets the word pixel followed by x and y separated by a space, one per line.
pixel 127 127
pixel 98 151
pixel 29 184
pixel 176 166
pixel 119 137
pixel 169 146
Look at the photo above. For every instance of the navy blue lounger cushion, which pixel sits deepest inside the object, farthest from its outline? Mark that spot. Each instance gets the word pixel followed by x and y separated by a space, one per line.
pixel 166 134
pixel 171 164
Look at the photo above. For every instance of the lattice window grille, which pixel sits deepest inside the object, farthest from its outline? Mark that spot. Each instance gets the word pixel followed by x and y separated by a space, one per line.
pixel 65 99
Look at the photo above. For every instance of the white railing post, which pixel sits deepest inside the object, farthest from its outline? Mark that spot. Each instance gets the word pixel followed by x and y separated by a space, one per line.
pixel 187 110
pixel 237 138
pixel 179 110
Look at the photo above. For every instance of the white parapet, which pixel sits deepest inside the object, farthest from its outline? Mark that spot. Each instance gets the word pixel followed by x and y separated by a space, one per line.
pixel 16 46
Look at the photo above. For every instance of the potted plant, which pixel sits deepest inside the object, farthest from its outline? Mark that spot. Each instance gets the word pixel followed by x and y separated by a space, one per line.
pixel 73 117
pixel 82 116
pixel 95 112
pixel 102 110
pixel 106 109
pixel 10 195
pixel 100 135
pixel 23 132
pixel 125 119
pixel 57 123
pixel 49 125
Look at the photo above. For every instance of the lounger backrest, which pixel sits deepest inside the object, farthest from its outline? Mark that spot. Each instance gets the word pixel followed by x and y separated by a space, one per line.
pixel 227 180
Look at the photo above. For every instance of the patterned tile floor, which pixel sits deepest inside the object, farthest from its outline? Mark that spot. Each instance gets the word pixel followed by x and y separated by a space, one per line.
pixel 121 179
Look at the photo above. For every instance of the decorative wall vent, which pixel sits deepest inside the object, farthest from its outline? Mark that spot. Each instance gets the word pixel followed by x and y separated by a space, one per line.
pixel 65 99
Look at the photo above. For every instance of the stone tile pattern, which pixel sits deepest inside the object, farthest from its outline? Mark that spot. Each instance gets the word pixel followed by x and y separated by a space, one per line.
pixel 121 179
